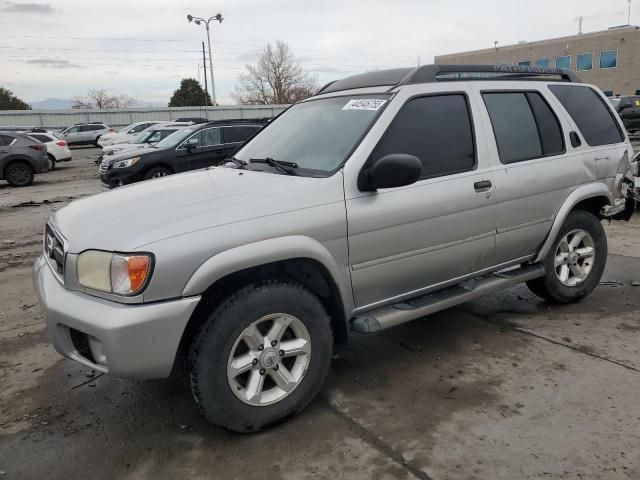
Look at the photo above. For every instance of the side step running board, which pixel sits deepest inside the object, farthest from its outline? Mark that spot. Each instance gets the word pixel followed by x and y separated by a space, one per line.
pixel 408 310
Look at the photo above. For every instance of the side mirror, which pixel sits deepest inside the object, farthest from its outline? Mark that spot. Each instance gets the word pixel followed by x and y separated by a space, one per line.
pixel 393 170
pixel 192 144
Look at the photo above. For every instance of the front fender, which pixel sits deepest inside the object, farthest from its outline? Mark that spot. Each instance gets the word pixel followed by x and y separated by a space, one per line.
pixel 584 192
pixel 269 251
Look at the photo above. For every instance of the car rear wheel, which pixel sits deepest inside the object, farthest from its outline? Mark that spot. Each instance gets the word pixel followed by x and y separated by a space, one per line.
pixel 52 161
pixel 95 143
pixel 19 174
pixel 575 263
pixel 157 172
pixel 260 356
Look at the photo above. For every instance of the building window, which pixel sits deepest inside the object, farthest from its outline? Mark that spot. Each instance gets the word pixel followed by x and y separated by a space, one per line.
pixel 563 62
pixel 543 62
pixel 585 62
pixel 609 59
pixel 526 63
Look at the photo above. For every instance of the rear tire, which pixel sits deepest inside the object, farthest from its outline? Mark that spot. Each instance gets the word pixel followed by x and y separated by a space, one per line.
pixel 260 356
pixel 157 172
pixel 52 162
pixel 19 174
pixel 576 261
pixel 95 143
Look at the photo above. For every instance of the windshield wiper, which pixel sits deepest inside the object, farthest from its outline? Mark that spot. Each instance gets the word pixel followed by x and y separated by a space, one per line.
pixel 281 165
pixel 241 164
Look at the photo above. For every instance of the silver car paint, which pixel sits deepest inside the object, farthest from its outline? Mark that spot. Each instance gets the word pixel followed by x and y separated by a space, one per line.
pixel 378 247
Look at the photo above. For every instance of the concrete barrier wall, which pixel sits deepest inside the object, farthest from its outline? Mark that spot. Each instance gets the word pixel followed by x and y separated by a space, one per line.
pixel 57 119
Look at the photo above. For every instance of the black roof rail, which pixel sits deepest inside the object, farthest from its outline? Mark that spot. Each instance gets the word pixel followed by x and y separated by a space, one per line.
pixel 448 73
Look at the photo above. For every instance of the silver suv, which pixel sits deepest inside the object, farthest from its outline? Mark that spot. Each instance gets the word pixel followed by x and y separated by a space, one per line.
pixel 85 133
pixel 385 197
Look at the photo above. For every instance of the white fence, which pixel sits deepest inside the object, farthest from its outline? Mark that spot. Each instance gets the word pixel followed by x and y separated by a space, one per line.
pixel 56 119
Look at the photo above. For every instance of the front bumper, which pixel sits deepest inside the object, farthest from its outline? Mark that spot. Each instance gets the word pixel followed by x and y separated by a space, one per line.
pixel 139 341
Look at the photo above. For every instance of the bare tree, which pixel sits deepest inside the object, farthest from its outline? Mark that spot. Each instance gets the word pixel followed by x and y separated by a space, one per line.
pixel 99 99
pixel 277 78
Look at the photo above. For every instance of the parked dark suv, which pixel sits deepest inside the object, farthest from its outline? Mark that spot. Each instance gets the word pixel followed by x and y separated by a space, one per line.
pixel 629 110
pixel 194 147
pixel 20 158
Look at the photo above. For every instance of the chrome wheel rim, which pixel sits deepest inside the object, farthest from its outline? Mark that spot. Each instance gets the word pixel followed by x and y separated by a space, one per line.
pixel 159 174
pixel 575 257
pixel 269 359
pixel 19 175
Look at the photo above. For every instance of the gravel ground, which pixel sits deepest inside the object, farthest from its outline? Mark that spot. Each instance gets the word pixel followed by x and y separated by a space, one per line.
pixel 504 387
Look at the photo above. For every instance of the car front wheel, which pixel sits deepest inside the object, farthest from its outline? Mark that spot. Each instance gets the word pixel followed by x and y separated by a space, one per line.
pixel 52 162
pixel 260 356
pixel 157 172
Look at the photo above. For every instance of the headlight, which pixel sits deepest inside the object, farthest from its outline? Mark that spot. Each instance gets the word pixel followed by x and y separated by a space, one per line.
pixel 119 273
pixel 126 163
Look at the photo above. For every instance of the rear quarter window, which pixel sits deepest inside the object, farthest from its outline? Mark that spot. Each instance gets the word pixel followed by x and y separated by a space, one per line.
pixel 590 113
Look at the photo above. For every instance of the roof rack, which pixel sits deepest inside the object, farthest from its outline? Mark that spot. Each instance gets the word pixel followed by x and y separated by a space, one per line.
pixel 448 73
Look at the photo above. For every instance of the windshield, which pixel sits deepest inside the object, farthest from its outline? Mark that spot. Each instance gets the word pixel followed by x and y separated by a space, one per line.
pixel 317 135
pixel 175 138
pixel 126 129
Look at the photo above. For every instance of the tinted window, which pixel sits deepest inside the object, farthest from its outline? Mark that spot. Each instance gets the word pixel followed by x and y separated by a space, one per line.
pixel 609 59
pixel 209 137
pixel 40 138
pixel 139 128
pixel 238 134
pixel 590 113
pixel 514 126
pixel 548 125
pixel 437 130
pixel 5 140
pixel 585 61
pixel 564 62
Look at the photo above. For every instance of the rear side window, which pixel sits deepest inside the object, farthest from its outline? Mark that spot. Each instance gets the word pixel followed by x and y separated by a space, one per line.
pixel 437 130
pixel 237 134
pixel 40 138
pixel 590 113
pixel 524 126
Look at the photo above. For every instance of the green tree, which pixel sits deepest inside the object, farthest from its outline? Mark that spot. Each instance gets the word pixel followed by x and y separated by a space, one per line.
pixel 190 94
pixel 8 101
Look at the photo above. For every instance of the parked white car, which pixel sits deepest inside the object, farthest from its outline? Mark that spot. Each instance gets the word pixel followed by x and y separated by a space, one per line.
pixel 57 147
pixel 126 134
pixel 149 137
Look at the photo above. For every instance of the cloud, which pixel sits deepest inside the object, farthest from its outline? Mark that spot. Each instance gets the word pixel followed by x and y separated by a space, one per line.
pixel 53 63
pixel 13 7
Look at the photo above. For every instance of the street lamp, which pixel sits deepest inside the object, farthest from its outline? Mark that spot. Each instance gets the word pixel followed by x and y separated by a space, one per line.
pixel 206 21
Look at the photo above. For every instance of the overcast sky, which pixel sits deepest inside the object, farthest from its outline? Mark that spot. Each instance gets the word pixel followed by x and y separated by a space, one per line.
pixel 62 48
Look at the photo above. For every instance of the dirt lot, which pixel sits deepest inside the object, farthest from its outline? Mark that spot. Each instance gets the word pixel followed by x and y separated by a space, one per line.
pixel 507 387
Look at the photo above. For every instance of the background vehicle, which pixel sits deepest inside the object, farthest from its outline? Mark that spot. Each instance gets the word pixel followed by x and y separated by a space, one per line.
pixel 126 134
pixel 20 158
pixel 191 148
pixel 57 148
pixel 151 136
pixel 192 119
pixel 629 111
pixel 86 133
pixel 386 197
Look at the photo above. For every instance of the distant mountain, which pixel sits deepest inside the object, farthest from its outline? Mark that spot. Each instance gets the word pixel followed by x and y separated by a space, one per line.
pixel 51 104
pixel 65 104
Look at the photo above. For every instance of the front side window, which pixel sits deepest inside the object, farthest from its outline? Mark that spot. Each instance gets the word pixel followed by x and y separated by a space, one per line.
pixel 543 62
pixel 585 62
pixel 317 135
pixel 563 61
pixel 210 137
pixel 436 129
pixel 73 130
pixel 589 111
pixel 609 59
pixel 175 138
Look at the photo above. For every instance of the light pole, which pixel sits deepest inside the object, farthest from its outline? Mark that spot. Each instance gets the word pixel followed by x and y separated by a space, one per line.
pixel 206 21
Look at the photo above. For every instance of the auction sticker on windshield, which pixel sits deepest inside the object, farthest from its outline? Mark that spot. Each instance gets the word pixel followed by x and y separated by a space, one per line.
pixel 372 104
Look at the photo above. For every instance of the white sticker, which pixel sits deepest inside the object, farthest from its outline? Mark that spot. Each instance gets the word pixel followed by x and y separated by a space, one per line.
pixel 372 104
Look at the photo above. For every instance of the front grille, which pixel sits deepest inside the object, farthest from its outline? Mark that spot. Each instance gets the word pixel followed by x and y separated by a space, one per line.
pixel 81 344
pixel 54 251
pixel 104 164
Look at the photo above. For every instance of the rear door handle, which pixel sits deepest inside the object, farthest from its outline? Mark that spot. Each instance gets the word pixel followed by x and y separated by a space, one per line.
pixel 482 186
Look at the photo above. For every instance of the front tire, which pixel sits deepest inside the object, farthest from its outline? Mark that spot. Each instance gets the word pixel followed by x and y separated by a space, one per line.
pixel 576 261
pixel 52 162
pixel 260 356
pixel 19 174
pixel 157 172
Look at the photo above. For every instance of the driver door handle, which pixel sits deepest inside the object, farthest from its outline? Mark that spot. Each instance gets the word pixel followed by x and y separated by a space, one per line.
pixel 483 186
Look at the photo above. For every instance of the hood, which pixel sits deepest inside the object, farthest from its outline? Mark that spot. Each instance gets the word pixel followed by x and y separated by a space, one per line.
pixel 131 152
pixel 128 218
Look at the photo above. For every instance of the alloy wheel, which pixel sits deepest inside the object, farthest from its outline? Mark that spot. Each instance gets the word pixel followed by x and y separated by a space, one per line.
pixel 575 258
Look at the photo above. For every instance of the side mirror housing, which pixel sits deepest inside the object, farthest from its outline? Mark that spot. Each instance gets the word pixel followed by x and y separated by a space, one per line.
pixel 192 144
pixel 390 171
